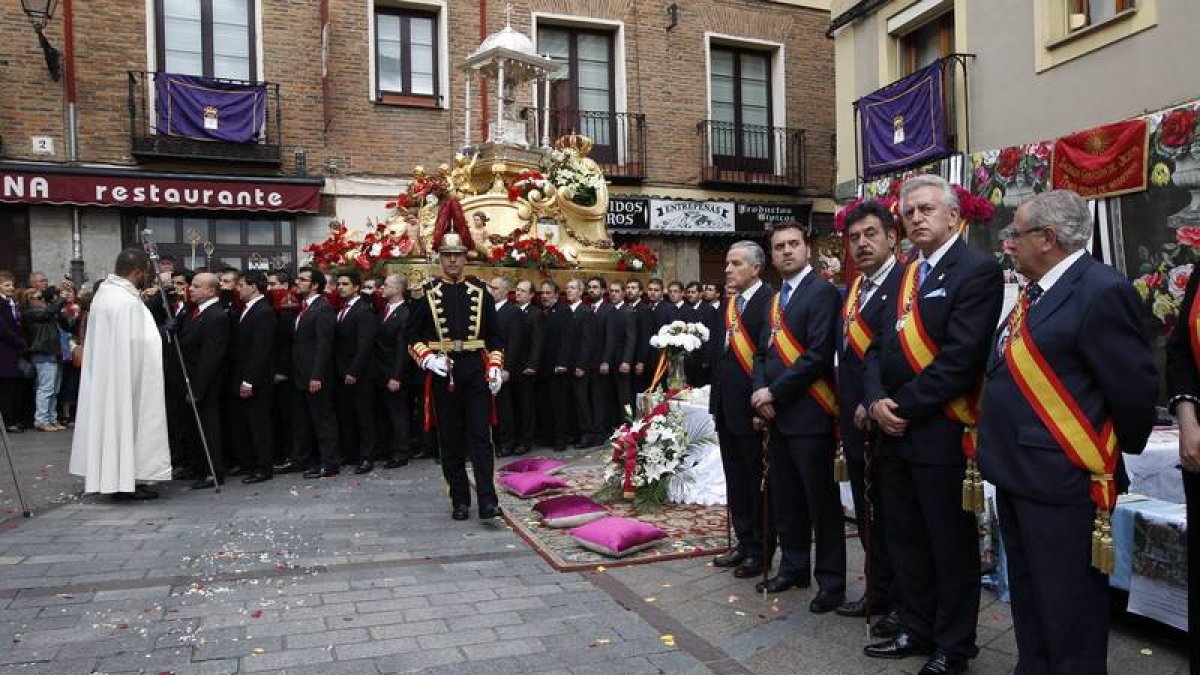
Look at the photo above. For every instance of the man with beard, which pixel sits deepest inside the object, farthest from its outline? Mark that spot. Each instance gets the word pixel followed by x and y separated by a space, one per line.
pixel 312 381
pixel 354 363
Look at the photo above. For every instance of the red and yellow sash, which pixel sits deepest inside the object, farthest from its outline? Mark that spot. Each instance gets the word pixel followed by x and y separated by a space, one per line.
pixel 1091 450
pixel 858 333
pixel 740 342
pixel 920 351
pixel 1194 327
pixel 790 349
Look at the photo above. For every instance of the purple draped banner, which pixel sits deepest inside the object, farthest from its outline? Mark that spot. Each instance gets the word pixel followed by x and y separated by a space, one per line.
pixel 903 124
pixel 209 110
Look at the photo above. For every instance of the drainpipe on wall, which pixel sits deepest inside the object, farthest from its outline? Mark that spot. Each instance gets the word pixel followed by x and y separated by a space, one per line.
pixel 77 272
pixel 483 85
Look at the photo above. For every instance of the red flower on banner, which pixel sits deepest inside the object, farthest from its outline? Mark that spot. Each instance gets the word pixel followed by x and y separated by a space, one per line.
pixel 1178 128
pixel 1009 162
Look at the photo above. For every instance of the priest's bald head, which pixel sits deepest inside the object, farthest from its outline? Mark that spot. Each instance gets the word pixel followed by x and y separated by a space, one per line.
pixel 132 264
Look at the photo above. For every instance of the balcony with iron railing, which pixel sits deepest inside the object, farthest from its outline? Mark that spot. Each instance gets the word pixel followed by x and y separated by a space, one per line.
pixel 619 138
pixel 152 136
pixel 749 156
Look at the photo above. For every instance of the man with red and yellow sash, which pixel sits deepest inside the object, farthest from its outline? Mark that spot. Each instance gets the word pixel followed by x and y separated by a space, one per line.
pixel 922 375
pixel 794 393
pixel 871 235
pixel 731 351
pixel 1070 384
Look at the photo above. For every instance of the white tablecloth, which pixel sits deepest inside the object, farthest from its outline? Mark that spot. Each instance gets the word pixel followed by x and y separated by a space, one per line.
pixel 703 482
pixel 1153 473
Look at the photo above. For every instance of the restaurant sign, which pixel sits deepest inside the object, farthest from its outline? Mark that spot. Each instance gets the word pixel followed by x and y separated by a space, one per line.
pixel 155 191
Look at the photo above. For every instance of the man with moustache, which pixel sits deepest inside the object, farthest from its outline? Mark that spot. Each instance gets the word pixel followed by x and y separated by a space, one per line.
pixel 733 348
pixel 392 365
pixel 524 360
pixel 572 397
pixel 203 339
pixel 453 337
pixel 547 380
pixel 921 379
pixel 508 323
pixel 1071 383
pixel 313 381
pixel 871 235
pixel 600 368
pixel 251 378
pixel 354 364
pixel 794 393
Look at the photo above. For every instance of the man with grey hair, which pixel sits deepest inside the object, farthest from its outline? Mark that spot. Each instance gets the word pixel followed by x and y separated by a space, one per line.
pixel 395 368
pixel 921 376
pixel 732 349
pixel 1070 384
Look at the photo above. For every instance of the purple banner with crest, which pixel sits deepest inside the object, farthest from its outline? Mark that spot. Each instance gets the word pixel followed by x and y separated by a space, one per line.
pixel 903 124
pixel 209 110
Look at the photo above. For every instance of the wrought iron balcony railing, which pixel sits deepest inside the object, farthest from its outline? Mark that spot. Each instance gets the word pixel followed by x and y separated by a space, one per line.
pixel 619 137
pixel 751 155
pixel 148 141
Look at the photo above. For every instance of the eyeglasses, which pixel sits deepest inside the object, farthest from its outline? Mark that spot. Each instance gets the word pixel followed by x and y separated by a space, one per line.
pixel 1011 233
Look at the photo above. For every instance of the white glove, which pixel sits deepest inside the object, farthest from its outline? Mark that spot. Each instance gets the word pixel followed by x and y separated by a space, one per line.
pixel 494 380
pixel 437 364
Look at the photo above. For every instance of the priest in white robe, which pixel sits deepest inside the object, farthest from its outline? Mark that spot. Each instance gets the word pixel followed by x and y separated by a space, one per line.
pixel 121 429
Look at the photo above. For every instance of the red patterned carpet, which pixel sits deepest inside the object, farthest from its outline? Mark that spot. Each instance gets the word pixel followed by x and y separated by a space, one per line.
pixel 691 530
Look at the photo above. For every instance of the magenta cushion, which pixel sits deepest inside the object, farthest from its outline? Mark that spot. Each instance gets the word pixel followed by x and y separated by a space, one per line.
pixel 542 464
pixel 532 484
pixel 569 510
pixel 617 537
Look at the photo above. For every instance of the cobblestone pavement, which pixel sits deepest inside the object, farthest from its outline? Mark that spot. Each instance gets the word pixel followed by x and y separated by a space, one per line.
pixel 368 574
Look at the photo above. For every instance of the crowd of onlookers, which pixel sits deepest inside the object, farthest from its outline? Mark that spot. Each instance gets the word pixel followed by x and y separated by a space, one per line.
pixel 40 330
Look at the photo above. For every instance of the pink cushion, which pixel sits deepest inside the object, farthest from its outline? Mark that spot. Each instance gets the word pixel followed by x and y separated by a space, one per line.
pixel 617 537
pixel 528 485
pixel 569 510
pixel 541 464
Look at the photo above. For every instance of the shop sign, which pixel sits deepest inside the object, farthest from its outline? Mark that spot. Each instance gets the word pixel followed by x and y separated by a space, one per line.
pixel 756 217
pixel 160 192
pixel 683 215
pixel 628 213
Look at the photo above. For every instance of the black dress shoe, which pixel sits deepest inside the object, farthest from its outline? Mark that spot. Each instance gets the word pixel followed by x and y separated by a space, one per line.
pixel 139 494
pixel 395 463
pixel 944 664
pixel 825 603
pixel 321 473
pixel 489 512
pixel 899 647
pixel 365 466
pixel 235 471
pixel 257 477
pixel 523 450
pixel 750 568
pixel 858 608
pixel 461 512
pixel 18 429
pixel 780 583
pixel 288 467
pixel 503 452
pixel 729 559
pixel 204 483
pixel 888 626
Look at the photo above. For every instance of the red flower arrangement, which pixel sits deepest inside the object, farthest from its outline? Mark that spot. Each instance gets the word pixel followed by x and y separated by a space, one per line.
pixel 1009 161
pixel 1178 128
pixel 377 245
pixel 333 250
pixel 531 254
pixel 636 258
pixel 525 182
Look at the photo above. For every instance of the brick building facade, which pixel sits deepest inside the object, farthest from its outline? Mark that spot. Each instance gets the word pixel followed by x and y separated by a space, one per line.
pixel 728 100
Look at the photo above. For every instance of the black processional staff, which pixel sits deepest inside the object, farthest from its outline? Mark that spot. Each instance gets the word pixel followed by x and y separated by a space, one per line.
pixel 12 468
pixel 765 506
pixel 868 517
pixel 152 251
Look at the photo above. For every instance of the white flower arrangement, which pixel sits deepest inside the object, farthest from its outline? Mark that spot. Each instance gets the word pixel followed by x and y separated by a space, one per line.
pixel 680 336
pixel 575 179
pixel 646 454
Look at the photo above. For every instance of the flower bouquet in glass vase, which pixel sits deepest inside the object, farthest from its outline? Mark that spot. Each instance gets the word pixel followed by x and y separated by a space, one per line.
pixel 676 340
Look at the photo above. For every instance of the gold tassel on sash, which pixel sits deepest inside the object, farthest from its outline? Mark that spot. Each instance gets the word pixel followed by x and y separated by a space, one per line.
pixel 1103 551
pixel 972 489
pixel 841 473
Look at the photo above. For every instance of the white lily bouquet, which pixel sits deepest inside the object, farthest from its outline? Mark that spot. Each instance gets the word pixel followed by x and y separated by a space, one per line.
pixel 646 454
pixel 677 339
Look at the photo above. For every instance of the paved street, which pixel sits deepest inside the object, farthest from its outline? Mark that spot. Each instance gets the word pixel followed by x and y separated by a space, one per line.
pixel 368 574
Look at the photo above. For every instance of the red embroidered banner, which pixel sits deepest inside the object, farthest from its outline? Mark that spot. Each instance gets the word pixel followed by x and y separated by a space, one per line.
pixel 1102 162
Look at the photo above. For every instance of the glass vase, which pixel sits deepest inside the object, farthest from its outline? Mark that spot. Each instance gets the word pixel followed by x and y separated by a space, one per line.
pixel 676 377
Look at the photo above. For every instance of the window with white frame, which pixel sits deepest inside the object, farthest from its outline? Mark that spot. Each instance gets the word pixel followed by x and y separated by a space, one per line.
pixel 583 95
pixel 209 38
pixel 1085 13
pixel 406 54
pixel 740 130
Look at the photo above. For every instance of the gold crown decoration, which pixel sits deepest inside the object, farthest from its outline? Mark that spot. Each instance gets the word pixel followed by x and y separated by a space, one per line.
pixel 577 142
pixel 211 111
pixel 452 243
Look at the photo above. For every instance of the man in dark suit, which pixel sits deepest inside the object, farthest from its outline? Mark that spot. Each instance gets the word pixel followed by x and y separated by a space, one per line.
pixel 179 414
pixel 312 381
pixel 547 379
pixel 871 233
pixel 1077 327
pixel 1183 382
pixel 926 364
pixel 571 396
pixel 658 312
pixel 204 339
pixel 793 392
pixel 12 343
pixel 622 340
pixel 279 290
pixel 696 310
pixel 601 366
pixel 732 350
pixel 509 325
pixel 392 365
pixel 523 360
pixel 645 357
pixel 354 362
pixel 252 378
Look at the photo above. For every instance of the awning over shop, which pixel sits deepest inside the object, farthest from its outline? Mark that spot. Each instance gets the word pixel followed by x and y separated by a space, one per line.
pixel 27 183
pixel 660 216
